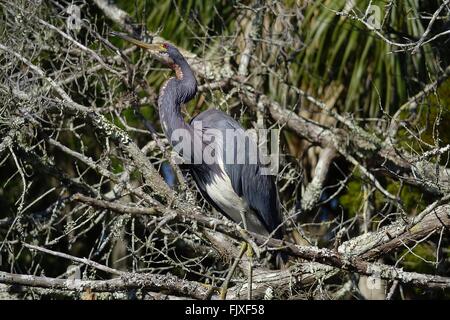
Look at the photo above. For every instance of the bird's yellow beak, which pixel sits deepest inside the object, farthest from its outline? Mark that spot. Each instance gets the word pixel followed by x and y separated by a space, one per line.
pixel 158 47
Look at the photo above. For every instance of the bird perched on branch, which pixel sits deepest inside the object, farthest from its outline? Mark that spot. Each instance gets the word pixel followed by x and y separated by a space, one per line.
pixel 238 189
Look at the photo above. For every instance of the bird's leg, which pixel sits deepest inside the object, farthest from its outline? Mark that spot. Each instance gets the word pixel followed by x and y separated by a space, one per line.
pixel 244 220
pixel 249 256
pixel 224 287
pixel 250 271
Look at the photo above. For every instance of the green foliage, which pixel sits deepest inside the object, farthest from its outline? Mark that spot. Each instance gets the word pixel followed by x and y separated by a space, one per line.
pixel 339 49
pixel 183 21
pixel 116 165
pixel 435 109
pixel 412 199
pixel 421 259
pixel 352 198
pixel 438 106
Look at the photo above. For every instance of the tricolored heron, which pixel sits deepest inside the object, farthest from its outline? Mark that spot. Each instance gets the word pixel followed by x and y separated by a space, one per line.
pixel 238 190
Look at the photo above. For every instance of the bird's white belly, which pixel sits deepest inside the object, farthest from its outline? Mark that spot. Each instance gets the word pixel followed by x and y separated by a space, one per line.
pixel 222 193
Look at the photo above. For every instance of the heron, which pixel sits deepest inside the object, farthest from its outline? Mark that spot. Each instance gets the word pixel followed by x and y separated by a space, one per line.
pixel 239 191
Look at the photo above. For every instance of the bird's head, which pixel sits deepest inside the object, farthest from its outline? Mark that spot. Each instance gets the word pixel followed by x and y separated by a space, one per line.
pixel 168 52
pixel 170 55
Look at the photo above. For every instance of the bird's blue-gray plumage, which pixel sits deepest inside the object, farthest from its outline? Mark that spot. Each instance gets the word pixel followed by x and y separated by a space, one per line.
pixel 233 187
pixel 248 182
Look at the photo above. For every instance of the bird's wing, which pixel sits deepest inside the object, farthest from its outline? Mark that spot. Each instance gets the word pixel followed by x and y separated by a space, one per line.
pixel 258 190
pixel 216 119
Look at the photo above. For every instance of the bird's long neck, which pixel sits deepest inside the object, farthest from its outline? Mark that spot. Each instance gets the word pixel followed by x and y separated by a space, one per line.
pixel 172 95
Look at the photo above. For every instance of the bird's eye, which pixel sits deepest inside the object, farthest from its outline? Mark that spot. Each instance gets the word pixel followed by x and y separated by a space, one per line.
pixel 165 45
